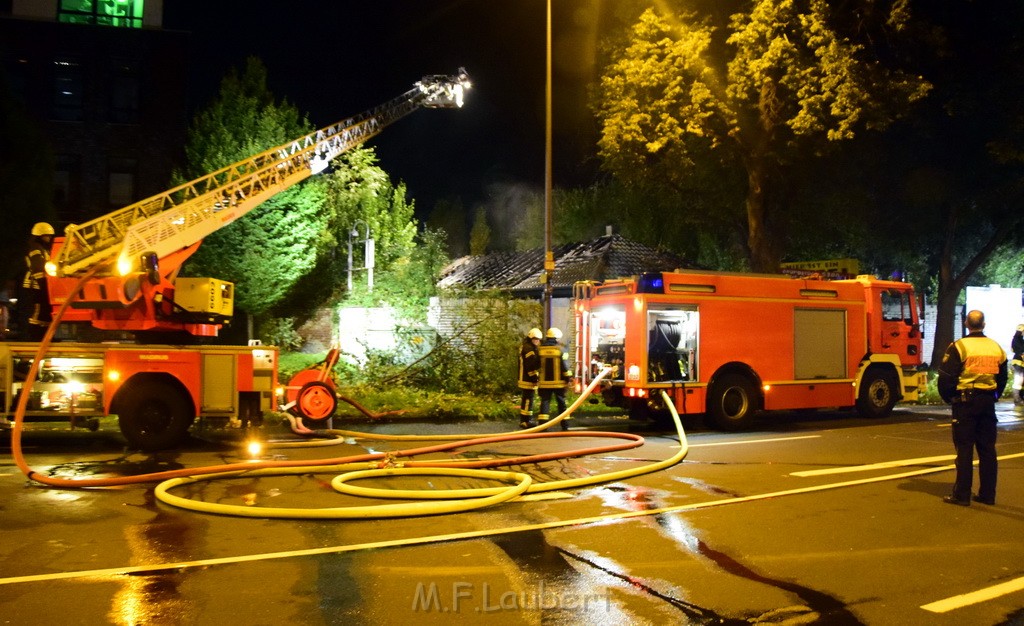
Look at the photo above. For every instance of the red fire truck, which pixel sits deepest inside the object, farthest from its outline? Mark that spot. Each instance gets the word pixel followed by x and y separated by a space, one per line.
pixel 128 263
pixel 730 344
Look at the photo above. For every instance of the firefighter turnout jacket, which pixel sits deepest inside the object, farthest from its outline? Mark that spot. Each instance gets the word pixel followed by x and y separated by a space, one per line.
pixel 554 365
pixel 529 364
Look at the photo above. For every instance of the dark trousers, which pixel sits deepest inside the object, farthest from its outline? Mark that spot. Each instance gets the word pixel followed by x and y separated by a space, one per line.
pixel 974 426
pixel 526 402
pixel 545 400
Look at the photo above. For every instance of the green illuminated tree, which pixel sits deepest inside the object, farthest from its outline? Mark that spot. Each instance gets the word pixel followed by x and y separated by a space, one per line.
pixel 689 94
pixel 270 249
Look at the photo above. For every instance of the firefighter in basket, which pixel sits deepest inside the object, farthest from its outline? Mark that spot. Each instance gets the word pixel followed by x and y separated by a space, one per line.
pixel 554 375
pixel 34 303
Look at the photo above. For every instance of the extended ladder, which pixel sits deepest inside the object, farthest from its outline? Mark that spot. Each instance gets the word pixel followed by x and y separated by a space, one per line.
pixel 180 217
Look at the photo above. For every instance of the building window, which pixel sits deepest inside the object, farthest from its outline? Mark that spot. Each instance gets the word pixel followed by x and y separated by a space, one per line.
pixel 68 88
pixel 122 182
pixel 122 13
pixel 124 92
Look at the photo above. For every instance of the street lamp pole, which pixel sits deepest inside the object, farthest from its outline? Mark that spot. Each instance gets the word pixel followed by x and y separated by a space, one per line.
pixel 549 257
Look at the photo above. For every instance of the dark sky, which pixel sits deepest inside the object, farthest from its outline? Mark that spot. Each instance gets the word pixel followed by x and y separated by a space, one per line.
pixel 335 58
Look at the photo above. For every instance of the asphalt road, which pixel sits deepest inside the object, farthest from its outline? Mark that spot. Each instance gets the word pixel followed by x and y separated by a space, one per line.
pixel 813 518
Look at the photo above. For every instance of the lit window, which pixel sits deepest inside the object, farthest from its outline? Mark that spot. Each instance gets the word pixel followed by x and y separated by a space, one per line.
pixel 120 13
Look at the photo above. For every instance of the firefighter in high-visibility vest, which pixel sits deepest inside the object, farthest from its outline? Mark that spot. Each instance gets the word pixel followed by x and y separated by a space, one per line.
pixel 34 303
pixel 554 375
pixel 972 376
pixel 529 374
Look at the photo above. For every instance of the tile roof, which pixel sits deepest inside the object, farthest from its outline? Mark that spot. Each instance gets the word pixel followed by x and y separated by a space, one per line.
pixel 610 256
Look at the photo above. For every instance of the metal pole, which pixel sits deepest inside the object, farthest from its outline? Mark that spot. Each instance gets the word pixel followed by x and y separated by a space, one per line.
pixel 549 257
pixel 350 262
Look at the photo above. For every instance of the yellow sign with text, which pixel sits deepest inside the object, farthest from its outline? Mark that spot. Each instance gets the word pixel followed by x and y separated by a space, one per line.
pixel 832 267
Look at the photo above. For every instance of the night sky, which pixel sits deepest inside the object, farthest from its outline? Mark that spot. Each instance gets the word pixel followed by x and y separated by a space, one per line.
pixel 336 58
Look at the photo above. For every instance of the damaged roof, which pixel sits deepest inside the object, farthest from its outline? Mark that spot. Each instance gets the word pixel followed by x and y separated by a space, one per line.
pixel 610 256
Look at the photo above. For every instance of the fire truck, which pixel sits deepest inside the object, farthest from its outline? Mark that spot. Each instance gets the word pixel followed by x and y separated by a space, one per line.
pixel 728 344
pixel 119 272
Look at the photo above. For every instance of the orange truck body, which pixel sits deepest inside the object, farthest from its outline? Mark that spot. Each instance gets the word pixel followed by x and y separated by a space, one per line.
pixel 731 344
pixel 156 391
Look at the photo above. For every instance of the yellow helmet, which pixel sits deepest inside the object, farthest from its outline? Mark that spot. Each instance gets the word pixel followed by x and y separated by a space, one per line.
pixel 41 228
pixel 554 333
pixel 534 333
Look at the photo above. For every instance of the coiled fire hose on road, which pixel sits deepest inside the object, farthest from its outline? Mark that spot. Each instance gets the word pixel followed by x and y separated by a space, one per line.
pixel 450 501
pixel 358 467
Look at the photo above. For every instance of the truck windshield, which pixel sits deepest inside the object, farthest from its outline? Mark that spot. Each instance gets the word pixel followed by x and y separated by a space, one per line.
pixel 896 306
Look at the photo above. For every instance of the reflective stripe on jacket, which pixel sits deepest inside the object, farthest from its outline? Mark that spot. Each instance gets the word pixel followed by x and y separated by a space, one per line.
pixel 529 363
pixel 554 366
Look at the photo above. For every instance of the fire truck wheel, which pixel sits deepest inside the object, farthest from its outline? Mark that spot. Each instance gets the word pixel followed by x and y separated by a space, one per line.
pixel 316 401
pixel 731 402
pixel 877 395
pixel 153 416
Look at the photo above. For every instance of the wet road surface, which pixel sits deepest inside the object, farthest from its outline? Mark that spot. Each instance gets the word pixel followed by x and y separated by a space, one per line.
pixel 812 518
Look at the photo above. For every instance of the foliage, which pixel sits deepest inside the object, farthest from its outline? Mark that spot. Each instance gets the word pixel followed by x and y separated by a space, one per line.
pixel 1004 268
pixel 280 332
pixel 477 351
pixel 272 247
pixel 413 403
pixel 689 95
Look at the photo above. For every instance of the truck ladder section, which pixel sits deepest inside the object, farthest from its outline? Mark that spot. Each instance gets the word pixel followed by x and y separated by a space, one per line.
pixel 180 217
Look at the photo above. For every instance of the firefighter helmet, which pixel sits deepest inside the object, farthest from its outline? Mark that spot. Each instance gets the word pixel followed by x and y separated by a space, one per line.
pixel 554 333
pixel 534 333
pixel 41 228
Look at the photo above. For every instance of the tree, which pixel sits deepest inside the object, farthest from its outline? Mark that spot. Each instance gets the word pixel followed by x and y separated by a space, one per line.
pixel 272 247
pixel 749 91
pixel 954 174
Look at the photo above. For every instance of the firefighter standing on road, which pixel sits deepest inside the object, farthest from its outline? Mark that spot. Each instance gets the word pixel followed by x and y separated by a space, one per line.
pixel 529 374
pixel 554 375
pixel 972 376
pixel 34 304
pixel 1017 364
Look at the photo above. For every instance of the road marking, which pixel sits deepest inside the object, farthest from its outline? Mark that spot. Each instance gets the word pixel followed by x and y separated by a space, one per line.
pixel 981 595
pixel 874 466
pixel 738 443
pixel 886 465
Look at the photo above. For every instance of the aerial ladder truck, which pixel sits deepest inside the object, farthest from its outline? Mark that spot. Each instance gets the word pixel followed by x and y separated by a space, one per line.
pixel 119 272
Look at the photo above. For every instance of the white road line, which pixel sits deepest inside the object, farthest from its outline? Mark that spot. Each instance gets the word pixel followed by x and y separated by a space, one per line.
pixel 738 443
pixel 874 466
pixel 981 595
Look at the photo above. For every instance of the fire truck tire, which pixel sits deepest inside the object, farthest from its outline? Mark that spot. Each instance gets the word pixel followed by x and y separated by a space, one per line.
pixel 731 402
pixel 316 401
pixel 154 416
pixel 878 393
